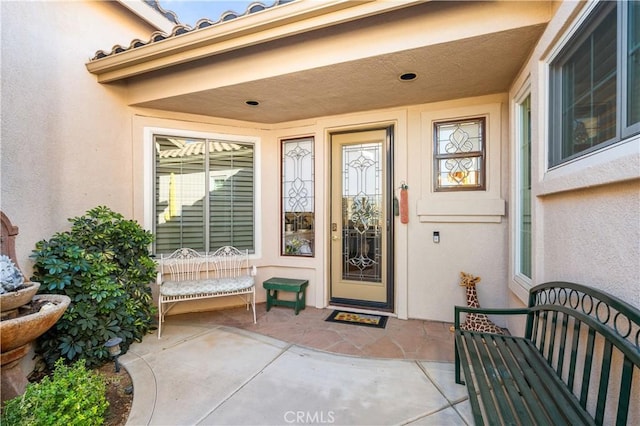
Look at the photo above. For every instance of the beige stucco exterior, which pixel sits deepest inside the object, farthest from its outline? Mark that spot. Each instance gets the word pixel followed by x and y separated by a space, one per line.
pixel 92 143
pixel 70 143
pixel 66 141
pixel 586 213
pixel 419 279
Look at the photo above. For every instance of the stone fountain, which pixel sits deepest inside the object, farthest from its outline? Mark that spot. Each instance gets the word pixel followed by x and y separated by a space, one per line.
pixel 24 316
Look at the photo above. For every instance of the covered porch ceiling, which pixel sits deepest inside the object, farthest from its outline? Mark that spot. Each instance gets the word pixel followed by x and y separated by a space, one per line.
pixel 456 50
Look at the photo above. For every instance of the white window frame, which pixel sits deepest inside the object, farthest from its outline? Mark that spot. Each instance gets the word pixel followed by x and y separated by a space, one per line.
pixel 522 281
pixel 149 171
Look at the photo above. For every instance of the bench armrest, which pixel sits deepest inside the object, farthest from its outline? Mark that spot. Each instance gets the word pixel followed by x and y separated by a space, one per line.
pixel 487 311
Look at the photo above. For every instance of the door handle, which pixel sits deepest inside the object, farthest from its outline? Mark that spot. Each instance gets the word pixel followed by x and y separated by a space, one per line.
pixel 335 238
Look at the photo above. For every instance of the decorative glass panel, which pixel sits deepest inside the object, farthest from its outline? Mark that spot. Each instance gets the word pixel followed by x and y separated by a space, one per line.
pixel 459 155
pixel 298 218
pixel 362 212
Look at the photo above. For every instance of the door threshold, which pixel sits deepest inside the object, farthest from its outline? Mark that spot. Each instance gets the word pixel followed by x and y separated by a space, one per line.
pixel 363 311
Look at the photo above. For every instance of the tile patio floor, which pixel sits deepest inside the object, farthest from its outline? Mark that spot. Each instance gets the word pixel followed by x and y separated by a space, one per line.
pixel 400 339
pixel 220 368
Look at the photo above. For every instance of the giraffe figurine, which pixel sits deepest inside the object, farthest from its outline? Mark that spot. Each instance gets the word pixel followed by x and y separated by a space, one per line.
pixel 476 322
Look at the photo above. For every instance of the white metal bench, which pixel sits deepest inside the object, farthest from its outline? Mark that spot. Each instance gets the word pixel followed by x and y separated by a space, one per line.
pixel 189 275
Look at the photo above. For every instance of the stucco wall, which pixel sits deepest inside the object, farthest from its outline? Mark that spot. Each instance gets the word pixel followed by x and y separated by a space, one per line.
pixel 472 224
pixel 427 274
pixel 586 212
pixel 66 140
pixel 592 236
pixel 86 149
pixel 69 144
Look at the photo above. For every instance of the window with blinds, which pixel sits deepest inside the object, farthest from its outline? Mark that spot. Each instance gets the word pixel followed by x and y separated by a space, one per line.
pixel 592 97
pixel 204 194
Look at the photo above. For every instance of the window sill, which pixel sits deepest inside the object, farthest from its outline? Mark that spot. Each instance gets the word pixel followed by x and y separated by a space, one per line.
pixel 520 288
pixel 616 163
pixel 461 210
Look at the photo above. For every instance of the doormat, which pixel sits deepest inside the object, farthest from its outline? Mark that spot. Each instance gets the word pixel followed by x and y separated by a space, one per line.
pixel 378 321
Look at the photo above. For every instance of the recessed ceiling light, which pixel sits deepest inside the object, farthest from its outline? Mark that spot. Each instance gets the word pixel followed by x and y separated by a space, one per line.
pixel 252 103
pixel 408 76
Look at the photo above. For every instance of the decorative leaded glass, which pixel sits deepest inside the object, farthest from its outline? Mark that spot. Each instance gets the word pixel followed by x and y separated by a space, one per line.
pixel 298 197
pixel 362 212
pixel 459 154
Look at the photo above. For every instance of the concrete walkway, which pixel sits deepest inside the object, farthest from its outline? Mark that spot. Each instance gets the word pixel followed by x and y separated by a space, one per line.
pixel 220 375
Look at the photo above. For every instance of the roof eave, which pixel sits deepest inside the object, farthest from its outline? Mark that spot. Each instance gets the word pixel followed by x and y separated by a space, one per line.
pixel 295 18
pixel 148 14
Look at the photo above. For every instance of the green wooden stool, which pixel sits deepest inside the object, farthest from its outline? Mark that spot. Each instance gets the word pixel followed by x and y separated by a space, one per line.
pixel 273 285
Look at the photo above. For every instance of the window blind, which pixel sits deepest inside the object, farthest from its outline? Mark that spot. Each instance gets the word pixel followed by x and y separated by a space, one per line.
pixel 204 194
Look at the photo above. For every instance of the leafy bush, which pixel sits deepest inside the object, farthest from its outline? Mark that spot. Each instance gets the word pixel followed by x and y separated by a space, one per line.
pixel 103 265
pixel 74 396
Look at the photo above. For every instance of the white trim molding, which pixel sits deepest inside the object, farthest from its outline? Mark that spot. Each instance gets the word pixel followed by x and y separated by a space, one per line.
pixel 476 206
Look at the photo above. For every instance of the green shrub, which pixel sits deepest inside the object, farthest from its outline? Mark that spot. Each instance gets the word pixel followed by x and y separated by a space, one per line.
pixel 74 396
pixel 103 265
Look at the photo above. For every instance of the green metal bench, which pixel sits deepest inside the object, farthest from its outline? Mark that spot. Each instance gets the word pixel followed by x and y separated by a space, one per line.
pixel 575 365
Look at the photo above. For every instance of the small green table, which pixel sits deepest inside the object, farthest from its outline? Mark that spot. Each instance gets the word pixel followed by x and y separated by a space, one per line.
pixel 273 285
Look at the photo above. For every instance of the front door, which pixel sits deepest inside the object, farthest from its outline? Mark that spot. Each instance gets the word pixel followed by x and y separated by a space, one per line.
pixel 361 225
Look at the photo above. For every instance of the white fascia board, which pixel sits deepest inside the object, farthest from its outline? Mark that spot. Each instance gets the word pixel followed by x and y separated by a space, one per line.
pixel 148 14
pixel 248 30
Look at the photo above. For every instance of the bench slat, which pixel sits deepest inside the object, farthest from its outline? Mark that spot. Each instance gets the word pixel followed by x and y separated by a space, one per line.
pixel 563 343
pixel 539 402
pixel 461 343
pixel 552 337
pixel 499 364
pixel 481 380
pixel 494 378
pixel 558 400
pixel 575 342
pixel 532 402
pixel 625 392
pixel 510 375
pixel 586 371
pixel 575 364
pixel 543 329
pixel 604 381
pixel 509 355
